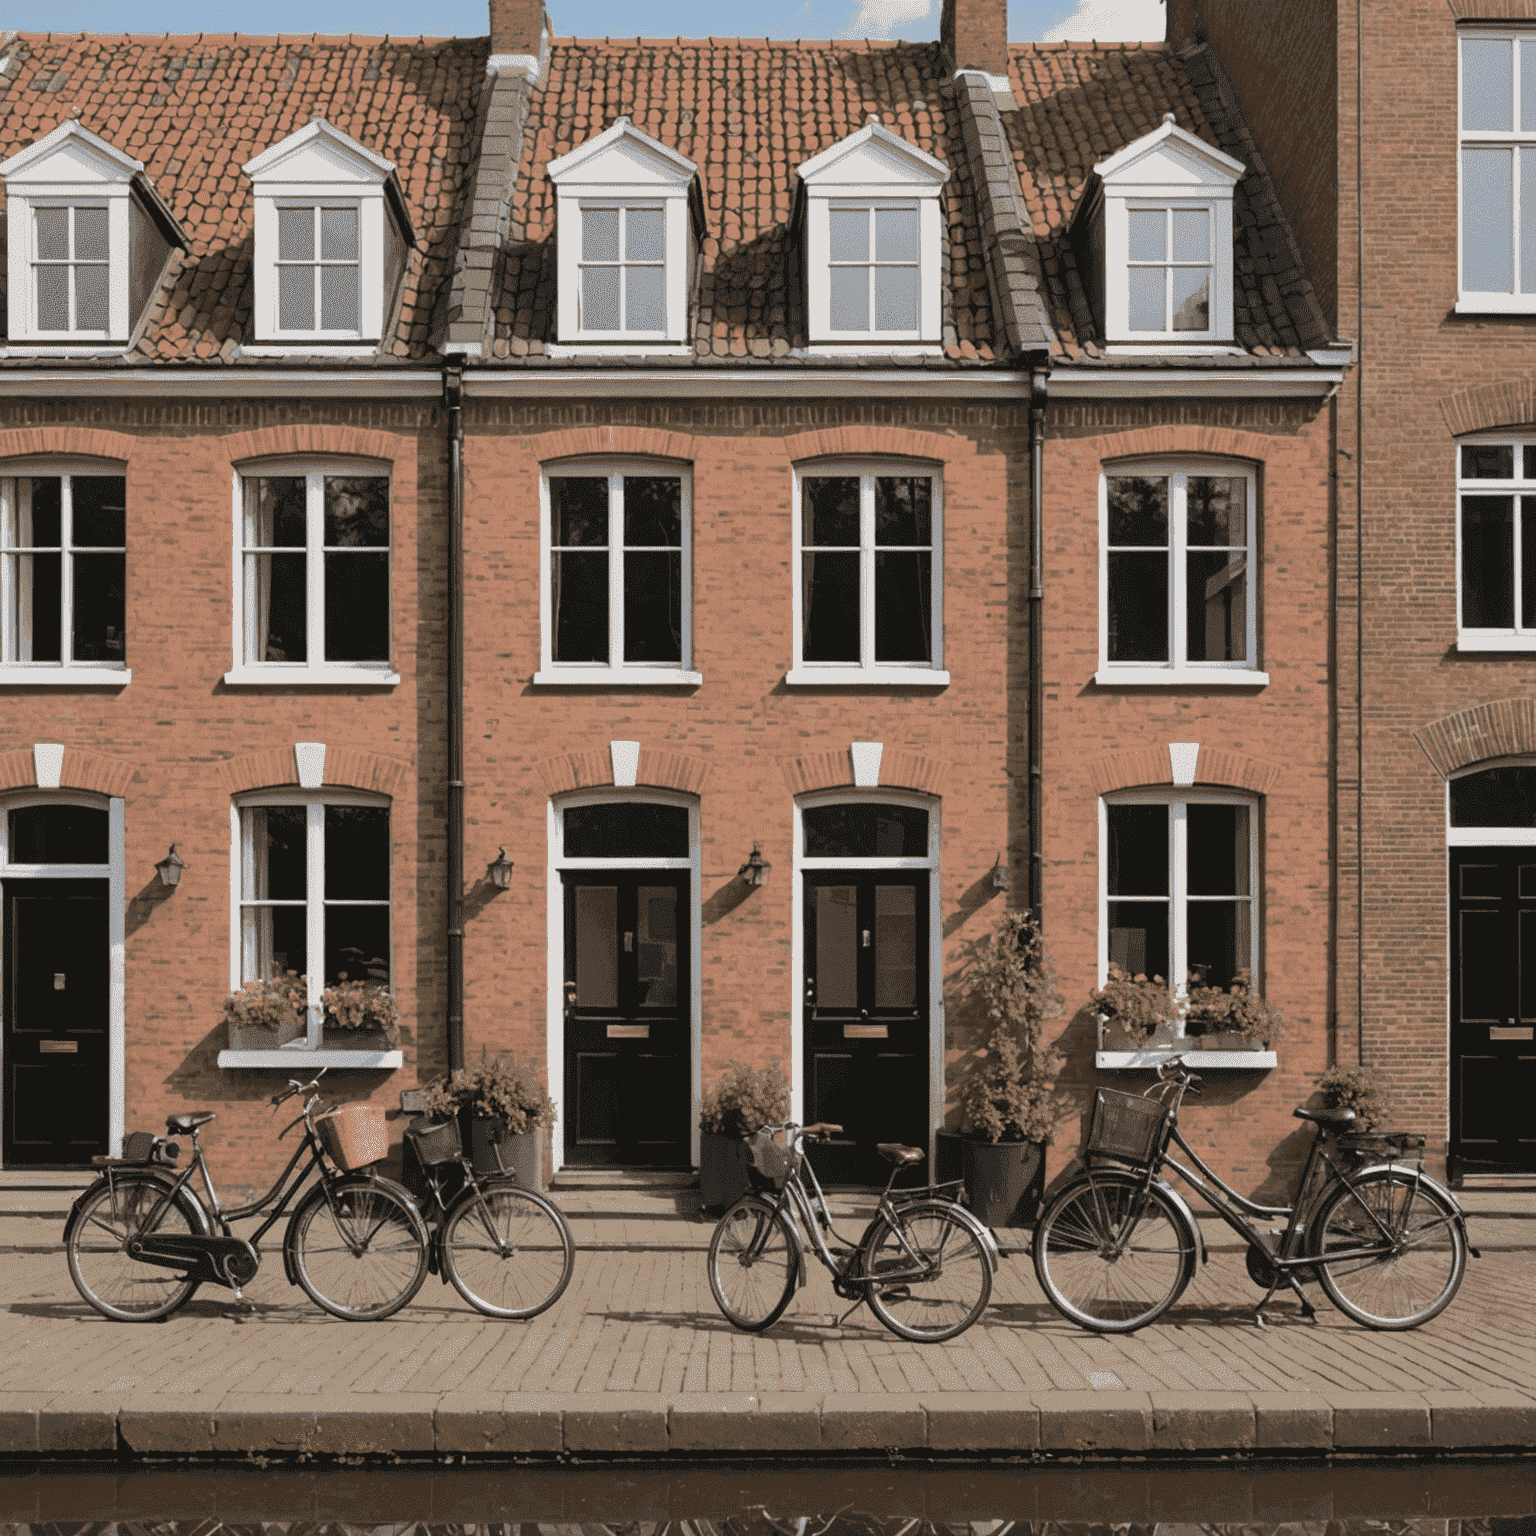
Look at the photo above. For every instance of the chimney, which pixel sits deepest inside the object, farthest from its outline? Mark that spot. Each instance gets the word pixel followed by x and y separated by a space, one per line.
pixel 519 31
pixel 975 35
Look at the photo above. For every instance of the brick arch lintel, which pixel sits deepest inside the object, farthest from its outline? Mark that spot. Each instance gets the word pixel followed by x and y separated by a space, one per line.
pixel 1183 438
pixel 68 442
pixel 1504 728
pixel 1505 403
pixel 310 437
pixel 1151 768
pixel 612 442
pixel 345 768
pixel 868 442
pixel 82 769
pixel 834 770
pixel 594 770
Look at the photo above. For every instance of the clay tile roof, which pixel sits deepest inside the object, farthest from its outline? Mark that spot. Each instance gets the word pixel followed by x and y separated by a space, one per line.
pixel 195 109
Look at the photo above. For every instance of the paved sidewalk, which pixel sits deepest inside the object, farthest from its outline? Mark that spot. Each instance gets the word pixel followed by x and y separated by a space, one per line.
pixel 636 1360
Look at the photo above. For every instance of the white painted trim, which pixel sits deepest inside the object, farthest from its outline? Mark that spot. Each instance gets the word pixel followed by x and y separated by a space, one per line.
pixel 871 349
pixel 625 756
pixel 53 674
pixel 1496 304
pixel 316 341
pixel 117 974
pixel 1184 760
pixel 48 763
pixel 1254 1061
pixel 866 757
pixel 281 1059
pixel 41 348
pixel 526 64
pixel 286 674
pixel 309 763
pixel 1468 640
pixel 637 348
pixel 831 674
pixel 576 674
pixel 1259 383
pixel 1152 675
pixel 1485 837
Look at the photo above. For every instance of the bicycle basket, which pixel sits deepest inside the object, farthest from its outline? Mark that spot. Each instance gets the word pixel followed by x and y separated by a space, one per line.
pixel 434 1141
pixel 354 1135
pixel 1128 1127
pixel 769 1163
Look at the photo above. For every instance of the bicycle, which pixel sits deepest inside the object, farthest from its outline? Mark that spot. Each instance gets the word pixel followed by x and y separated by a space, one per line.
pixel 140 1240
pixel 924 1264
pixel 507 1250
pixel 1115 1248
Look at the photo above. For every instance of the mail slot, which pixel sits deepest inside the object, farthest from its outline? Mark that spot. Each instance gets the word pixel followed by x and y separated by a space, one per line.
pixel 629 1031
pixel 58 1047
pixel 865 1031
pixel 1515 1032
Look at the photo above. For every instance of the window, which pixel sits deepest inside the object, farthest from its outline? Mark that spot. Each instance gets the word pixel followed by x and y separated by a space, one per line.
pixel 873 232
pixel 1178 591
pixel 1179 883
pixel 70 265
pixel 1169 269
pixel 623 269
pixel 313 892
pixel 1498 170
pixel 318 269
pixel 1496 546
pixel 868 595
pixel 63 577
pixel 312 578
pixel 617 562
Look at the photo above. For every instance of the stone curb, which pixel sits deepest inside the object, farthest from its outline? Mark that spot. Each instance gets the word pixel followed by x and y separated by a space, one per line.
pixel 599 1425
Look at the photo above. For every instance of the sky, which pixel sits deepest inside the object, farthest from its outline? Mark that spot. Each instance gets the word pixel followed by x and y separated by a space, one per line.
pixel 916 20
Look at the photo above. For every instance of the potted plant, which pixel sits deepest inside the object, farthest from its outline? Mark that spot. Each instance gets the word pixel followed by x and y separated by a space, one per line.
pixel 1139 1007
pixel 742 1102
pixel 503 1109
pixel 1232 1018
pixel 1360 1089
pixel 362 1014
pixel 267 1013
pixel 1008 1114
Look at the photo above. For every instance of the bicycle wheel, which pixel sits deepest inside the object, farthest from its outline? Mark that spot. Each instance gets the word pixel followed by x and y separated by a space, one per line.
pixel 939 1280
pixel 359 1248
pixel 753 1257
pixel 1413 1272
pixel 507 1251
pixel 119 1287
pixel 1110 1258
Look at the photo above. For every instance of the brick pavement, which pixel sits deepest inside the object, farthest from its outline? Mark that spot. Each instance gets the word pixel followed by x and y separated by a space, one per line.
pixel 635 1359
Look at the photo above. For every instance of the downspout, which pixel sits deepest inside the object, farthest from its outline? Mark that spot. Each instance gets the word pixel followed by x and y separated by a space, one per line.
pixel 1037 403
pixel 453 399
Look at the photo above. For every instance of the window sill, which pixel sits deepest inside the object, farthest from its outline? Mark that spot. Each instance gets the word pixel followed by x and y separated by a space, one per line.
pixel 330 346
pixel 866 677
pixel 1253 1061
pixel 617 677
pixel 610 346
pixel 21 346
pixel 1180 677
pixel 1465 642
pixel 46 674
pixel 297 676
pixel 1496 304
pixel 854 346
pixel 283 1058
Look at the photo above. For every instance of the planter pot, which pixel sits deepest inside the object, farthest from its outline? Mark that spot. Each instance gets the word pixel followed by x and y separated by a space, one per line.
pixel 520 1156
pixel 334 1039
pixel 1229 1041
pixel 252 1037
pixel 1004 1181
pixel 723 1164
pixel 949 1157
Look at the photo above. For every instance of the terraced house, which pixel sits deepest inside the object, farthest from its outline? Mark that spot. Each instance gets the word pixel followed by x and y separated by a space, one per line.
pixel 777 498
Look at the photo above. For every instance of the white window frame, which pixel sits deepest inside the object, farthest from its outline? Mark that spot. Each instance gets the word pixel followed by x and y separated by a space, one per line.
pixel 1177 670
pixel 1178 801
pixel 1477 301
pixel 621 263
pixel 314 207
pixel 66 672
pixel 315 672
pixel 1486 837
pixel 867 671
pixel 615 672
pixel 74 331
pixel 306 1052
pixel 820 276
pixel 1522 637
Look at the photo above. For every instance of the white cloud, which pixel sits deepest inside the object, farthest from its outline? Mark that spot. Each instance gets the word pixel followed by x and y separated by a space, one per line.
pixel 1110 21
pixel 885 18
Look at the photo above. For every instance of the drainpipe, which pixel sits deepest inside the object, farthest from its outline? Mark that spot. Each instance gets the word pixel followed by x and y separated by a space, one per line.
pixel 453 399
pixel 1036 640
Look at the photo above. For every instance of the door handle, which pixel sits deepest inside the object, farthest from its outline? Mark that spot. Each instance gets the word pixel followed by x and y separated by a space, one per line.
pixel 629 942
pixel 866 938
pixel 863 1013
pixel 570 998
pixel 810 990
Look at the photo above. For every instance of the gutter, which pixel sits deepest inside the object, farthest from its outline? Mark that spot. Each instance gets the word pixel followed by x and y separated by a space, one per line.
pixel 1036 745
pixel 453 399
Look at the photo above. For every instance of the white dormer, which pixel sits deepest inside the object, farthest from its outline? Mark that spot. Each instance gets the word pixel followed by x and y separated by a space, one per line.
pixel 1161 229
pixel 630 218
pixel 873 244
pixel 332 236
pixel 87 244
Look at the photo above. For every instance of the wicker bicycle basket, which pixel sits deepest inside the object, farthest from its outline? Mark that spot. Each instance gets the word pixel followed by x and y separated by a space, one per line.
pixel 354 1135
pixel 434 1141
pixel 1128 1127
pixel 770 1163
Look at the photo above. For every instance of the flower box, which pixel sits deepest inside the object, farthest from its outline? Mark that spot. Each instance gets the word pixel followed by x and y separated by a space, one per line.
pixel 256 1037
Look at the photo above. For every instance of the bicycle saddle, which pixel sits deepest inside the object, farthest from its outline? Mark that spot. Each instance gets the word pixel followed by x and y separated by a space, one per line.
pixel 894 1152
pixel 1334 1117
pixel 188 1123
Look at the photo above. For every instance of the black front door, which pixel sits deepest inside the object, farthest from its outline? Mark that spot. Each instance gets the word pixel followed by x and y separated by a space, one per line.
pixel 1493 1010
pixel 866 1016
pixel 627 990
pixel 55 1034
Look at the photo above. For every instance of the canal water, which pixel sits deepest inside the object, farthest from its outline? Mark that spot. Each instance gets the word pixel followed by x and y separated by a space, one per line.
pixel 1492 1497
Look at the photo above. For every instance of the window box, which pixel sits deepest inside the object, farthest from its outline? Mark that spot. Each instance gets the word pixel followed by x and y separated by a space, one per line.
pixel 291 1059
pixel 1253 1059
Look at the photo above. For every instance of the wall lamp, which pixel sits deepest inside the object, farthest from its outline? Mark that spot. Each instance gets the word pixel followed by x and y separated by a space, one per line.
pixel 755 870
pixel 1000 873
pixel 169 868
pixel 500 870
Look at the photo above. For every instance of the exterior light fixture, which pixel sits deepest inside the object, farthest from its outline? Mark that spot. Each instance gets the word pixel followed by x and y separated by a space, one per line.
pixel 755 870
pixel 500 870
pixel 169 868
pixel 1000 872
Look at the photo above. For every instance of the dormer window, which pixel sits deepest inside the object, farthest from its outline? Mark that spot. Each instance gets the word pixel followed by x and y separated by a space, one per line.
pixel 1160 235
pixel 873 240
pixel 332 237
pixel 630 221
pixel 88 240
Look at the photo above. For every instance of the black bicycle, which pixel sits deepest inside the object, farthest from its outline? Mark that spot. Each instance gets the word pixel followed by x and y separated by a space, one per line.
pixel 140 1241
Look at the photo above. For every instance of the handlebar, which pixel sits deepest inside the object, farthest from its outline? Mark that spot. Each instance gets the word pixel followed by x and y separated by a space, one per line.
pixel 1174 1070
pixel 819 1129
pixel 294 1086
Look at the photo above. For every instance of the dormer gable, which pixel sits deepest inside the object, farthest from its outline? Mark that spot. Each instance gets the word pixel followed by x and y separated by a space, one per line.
pixel 87 244
pixel 1158 221
pixel 872 235
pixel 629 228
pixel 332 236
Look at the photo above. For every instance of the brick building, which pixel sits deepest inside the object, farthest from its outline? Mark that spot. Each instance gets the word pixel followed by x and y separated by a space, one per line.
pixel 1417 247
